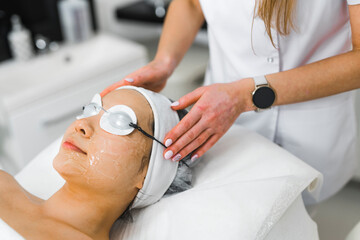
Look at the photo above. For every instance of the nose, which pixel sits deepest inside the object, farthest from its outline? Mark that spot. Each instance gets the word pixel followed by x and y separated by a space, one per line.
pixel 83 127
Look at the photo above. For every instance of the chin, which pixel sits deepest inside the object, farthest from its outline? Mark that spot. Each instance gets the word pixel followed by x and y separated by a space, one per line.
pixel 67 166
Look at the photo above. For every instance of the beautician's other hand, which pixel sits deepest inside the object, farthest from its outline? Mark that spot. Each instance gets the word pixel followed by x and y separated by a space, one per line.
pixel 216 108
pixel 152 76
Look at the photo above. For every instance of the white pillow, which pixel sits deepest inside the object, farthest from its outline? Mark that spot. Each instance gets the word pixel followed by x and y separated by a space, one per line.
pixel 243 187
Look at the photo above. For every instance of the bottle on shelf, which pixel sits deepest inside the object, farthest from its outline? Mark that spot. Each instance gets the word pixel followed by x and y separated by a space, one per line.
pixel 20 40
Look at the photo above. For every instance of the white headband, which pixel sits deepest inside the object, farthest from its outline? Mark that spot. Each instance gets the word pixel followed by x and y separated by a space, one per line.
pixel 161 172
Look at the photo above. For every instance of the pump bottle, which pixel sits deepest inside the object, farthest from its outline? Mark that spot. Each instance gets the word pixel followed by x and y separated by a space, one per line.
pixel 21 44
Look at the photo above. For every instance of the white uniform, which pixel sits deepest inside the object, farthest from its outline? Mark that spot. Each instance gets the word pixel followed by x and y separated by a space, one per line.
pixel 321 132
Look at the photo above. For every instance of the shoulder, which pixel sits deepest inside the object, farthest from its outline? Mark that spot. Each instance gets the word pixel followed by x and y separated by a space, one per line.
pixel 9 187
pixel 10 191
pixel 14 200
pixel 4 174
pixel 7 182
pixel 15 206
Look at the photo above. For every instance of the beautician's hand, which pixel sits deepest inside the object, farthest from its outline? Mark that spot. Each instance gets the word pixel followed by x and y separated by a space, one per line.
pixel 152 76
pixel 216 108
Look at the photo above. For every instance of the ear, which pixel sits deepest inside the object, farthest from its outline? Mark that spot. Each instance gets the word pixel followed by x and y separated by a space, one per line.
pixel 141 178
pixel 140 184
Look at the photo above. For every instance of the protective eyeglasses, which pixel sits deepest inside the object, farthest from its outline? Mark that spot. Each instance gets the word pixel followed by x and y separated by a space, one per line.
pixel 118 120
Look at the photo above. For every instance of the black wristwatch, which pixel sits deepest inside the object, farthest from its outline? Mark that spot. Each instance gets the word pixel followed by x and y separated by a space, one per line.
pixel 263 96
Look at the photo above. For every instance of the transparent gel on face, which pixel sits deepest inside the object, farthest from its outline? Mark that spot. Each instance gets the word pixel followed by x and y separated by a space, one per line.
pixel 105 160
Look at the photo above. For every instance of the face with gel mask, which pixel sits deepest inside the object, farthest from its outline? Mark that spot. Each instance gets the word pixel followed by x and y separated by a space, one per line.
pixel 100 152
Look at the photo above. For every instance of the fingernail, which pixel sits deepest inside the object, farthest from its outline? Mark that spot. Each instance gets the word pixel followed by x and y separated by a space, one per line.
pixel 194 158
pixel 176 158
pixel 174 104
pixel 168 155
pixel 129 79
pixel 168 142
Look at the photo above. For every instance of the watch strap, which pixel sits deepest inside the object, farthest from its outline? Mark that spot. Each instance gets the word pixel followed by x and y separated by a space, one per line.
pixel 260 80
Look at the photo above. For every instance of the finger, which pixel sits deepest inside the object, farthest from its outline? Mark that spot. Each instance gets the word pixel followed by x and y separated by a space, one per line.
pixel 131 79
pixel 114 86
pixel 205 147
pixel 182 127
pixel 108 89
pixel 188 99
pixel 196 143
pixel 184 140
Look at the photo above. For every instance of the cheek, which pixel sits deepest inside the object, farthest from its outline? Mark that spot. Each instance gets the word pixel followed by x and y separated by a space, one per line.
pixel 113 159
pixel 69 162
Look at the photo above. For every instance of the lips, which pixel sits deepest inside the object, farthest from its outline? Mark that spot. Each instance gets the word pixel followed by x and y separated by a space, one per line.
pixel 68 144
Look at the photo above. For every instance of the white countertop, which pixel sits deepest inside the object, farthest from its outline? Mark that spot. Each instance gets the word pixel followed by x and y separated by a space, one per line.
pixel 23 82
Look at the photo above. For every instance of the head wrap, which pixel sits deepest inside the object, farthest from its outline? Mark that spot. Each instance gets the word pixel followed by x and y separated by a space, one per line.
pixel 161 172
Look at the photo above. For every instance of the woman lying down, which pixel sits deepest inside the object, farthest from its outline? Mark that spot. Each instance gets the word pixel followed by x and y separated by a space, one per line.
pixel 111 159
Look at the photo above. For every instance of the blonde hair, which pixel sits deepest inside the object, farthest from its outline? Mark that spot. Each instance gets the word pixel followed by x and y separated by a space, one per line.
pixel 277 14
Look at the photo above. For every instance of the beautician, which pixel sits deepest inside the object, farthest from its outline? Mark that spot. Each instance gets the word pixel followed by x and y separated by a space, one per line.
pixel 283 68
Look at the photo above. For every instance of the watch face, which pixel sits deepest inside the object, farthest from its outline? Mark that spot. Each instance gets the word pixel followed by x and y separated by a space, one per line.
pixel 263 97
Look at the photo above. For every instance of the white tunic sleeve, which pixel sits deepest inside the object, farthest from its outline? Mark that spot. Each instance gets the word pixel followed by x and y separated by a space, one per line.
pixel 353 2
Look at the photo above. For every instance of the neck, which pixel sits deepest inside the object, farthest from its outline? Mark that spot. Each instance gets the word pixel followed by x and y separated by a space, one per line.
pixel 89 213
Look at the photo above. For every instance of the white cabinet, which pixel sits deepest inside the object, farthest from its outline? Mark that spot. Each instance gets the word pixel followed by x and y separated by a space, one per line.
pixel 40 98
